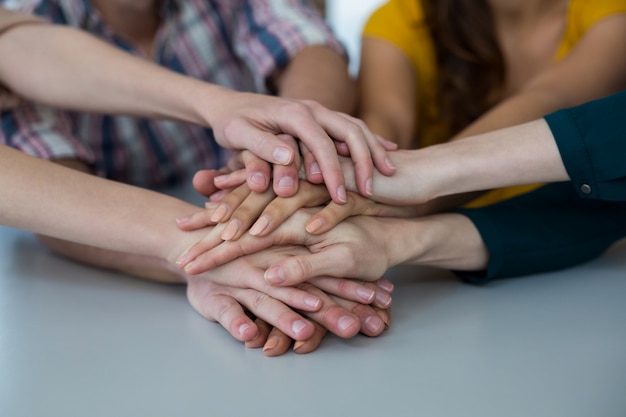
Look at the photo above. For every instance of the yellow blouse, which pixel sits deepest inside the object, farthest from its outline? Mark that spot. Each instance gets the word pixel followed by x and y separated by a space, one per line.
pixel 401 22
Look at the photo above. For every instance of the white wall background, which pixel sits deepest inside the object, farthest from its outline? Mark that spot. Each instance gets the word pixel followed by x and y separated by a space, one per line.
pixel 347 18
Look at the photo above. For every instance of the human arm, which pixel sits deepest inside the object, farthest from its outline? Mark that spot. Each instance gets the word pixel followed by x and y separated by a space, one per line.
pixel 387 85
pixel 130 225
pixel 547 229
pixel 45 67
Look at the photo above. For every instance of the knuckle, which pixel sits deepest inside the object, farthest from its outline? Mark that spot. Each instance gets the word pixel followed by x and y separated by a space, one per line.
pixel 259 300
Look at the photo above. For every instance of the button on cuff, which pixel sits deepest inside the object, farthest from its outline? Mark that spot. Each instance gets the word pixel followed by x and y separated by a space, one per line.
pixel 585 189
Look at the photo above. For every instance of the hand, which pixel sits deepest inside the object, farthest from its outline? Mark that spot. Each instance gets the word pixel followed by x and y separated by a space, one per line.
pixel 253 121
pixel 240 208
pixel 226 299
pixel 275 343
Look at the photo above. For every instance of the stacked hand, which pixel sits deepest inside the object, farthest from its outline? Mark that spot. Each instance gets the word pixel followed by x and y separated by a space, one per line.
pixel 278 237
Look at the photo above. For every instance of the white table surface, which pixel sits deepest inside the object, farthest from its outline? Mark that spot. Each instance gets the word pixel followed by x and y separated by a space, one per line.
pixel 77 341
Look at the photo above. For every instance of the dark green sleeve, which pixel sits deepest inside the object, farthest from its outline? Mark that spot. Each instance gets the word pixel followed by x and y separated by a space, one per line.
pixel 548 229
pixel 592 142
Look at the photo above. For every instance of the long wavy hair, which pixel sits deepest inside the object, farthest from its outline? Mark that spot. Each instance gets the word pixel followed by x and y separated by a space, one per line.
pixel 470 62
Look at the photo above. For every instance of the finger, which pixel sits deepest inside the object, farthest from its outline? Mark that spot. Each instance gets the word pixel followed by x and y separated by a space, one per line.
pixel 371 323
pixel 307 346
pixel 203 181
pixel 246 213
pixel 346 288
pixel 385 315
pixel 340 261
pixel 280 209
pixel 214 304
pixel 277 343
pixel 285 182
pixel 275 313
pixel 332 214
pixel 332 316
pixel 308 131
pixel 196 220
pixel 257 172
pixel 187 260
pixel 196 260
pixel 313 172
pixel 387 144
pixel 264 144
pixel 361 143
pixel 385 284
pixel 382 297
pixel 286 176
pixel 262 336
pixel 231 180
pixel 229 203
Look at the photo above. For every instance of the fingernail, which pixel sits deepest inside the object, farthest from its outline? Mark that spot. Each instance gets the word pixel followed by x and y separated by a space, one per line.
pixel 369 187
pixel 219 179
pixel 275 275
pixel 218 195
pixel 389 163
pixel 243 328
pixel 219 213
pixel 271 343
pixel 366 294
pixel 385 285
pixel 314 225
pixel 260 225
pixel 183 220
pixel 298 344
pixel 341 194
pixel 231 229
pixel 285 182
pixel 312 302
pixel 190 267
pixel 383 299
pixel 257 179
pixel 182 259
pixel 297 326
pixel 315 169
pixel 374 324
pixel 282 155
pixel 387 323
pixel 346 322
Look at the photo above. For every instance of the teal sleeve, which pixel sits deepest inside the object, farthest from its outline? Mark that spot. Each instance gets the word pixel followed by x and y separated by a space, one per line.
pixel 592 142
pixel 547 229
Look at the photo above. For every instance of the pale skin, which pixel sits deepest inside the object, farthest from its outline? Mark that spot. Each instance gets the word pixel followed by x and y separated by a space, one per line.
pixel 44 67
pixel 529 33
pixel 362 247
pixel 517 155
pixel 126 224
pixel 58 76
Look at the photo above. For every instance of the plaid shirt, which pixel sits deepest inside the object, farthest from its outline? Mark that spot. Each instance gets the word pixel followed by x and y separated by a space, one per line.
pixel 234 43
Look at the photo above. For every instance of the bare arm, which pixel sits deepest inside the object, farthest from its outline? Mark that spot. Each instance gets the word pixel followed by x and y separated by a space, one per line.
pixel 65 67
pixel 592 70
pixel 387 86
pixel 522 154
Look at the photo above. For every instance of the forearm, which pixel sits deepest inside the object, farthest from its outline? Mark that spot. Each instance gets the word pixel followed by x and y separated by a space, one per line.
pixel 321 74
pixel 523 154
pixel 447 241
pixel 52 200
pixel 65 67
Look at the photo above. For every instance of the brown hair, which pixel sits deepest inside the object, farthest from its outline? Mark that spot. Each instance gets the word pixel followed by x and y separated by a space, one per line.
pixel 469 59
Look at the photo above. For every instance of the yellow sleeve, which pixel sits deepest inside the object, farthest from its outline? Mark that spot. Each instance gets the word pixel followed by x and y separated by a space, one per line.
pixel 398 22
pixel 582 15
